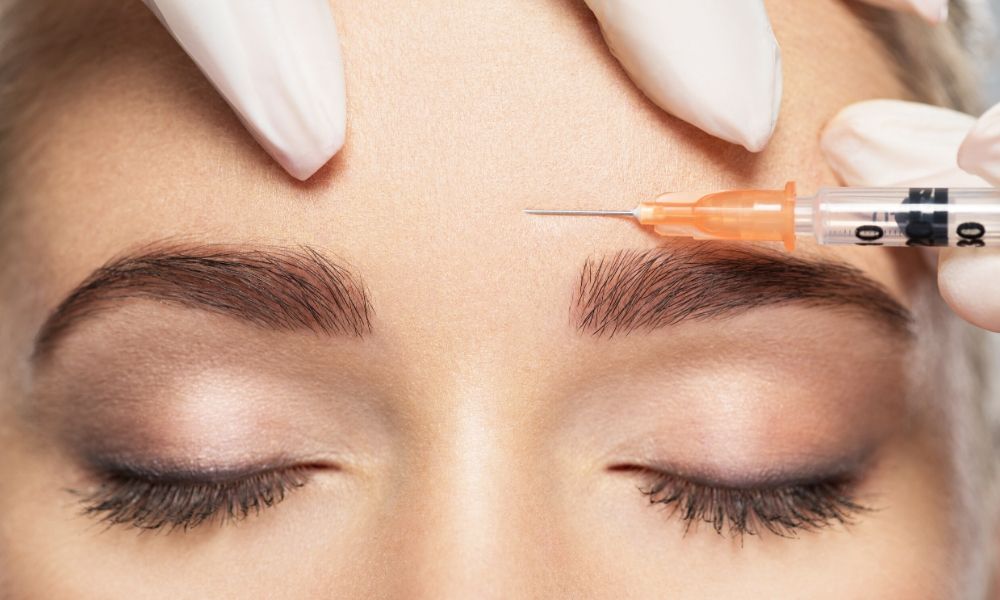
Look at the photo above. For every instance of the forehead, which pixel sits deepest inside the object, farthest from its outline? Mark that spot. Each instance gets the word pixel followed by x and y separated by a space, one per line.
pixel 460 115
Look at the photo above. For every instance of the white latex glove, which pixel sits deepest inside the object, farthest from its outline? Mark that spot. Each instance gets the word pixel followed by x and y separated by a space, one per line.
pixel 712 63
pixel 895 143
pixel 934 11
pixel 277 63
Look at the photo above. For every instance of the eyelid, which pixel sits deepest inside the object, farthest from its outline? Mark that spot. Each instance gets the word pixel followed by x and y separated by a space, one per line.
pixel 853 466
pixel 163 473
pixel 136 466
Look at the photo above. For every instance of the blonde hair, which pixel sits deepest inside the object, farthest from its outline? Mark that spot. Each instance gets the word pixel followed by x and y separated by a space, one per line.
pixel 940 65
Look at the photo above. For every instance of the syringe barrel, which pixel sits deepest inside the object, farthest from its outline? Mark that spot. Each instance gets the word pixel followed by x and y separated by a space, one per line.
pixel 968 217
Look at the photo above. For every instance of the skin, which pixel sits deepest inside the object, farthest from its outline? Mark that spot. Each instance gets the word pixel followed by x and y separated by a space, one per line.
pixel 475 429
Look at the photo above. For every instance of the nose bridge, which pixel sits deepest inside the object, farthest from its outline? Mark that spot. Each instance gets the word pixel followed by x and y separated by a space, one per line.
pixel 461 535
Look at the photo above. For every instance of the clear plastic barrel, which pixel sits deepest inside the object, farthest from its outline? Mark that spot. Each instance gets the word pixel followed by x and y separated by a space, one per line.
pixel 965 217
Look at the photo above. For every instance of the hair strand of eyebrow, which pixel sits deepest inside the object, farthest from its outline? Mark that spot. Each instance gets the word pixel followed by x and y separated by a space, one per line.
pixel 274 288
pixel 648 289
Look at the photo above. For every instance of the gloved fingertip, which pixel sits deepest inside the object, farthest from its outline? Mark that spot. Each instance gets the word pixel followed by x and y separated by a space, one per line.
pixel 896 143
pixel 979 153
pixel 714 63
pixel 969 281
pixel 305 162
pixel 302 156
pixel 278 64
pixel 932 11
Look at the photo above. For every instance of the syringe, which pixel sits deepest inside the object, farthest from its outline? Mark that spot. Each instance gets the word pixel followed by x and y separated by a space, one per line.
pixel 967 217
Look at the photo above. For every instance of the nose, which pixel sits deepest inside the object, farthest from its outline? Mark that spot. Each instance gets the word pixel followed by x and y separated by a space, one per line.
pixel 464 527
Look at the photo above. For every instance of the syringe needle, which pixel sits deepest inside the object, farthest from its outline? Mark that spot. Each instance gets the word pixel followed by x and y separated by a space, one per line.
pixel 963 217
pixel 592 213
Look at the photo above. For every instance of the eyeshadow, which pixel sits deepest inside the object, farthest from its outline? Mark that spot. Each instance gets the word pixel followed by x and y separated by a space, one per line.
pixel 153 468
pixel 171 390
pixel 806 470
pixel 746 404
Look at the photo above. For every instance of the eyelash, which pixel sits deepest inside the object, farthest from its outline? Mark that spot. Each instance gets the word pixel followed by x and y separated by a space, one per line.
pixel 149 501
pixel 153 501
pixel 783 510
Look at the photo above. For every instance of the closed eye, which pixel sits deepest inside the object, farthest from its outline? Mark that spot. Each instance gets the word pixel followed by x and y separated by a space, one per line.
pixel 783 509
pixel 150 499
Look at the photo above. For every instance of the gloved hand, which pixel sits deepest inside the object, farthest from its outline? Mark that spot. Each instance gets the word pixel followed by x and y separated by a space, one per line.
pixel 895 143
pixel 277 63
pixel 934 11
pixel 712 63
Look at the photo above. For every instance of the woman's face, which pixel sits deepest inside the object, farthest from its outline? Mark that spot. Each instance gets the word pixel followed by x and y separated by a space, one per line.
pixel 455 399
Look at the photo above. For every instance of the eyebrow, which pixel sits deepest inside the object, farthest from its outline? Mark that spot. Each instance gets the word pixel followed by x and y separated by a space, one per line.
pixel 283 289
pixel 643 290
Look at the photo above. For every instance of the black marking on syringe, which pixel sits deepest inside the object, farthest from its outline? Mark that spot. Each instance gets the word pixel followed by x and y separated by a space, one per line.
pixel 924 227
pixel 869 235
pixel 971 235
